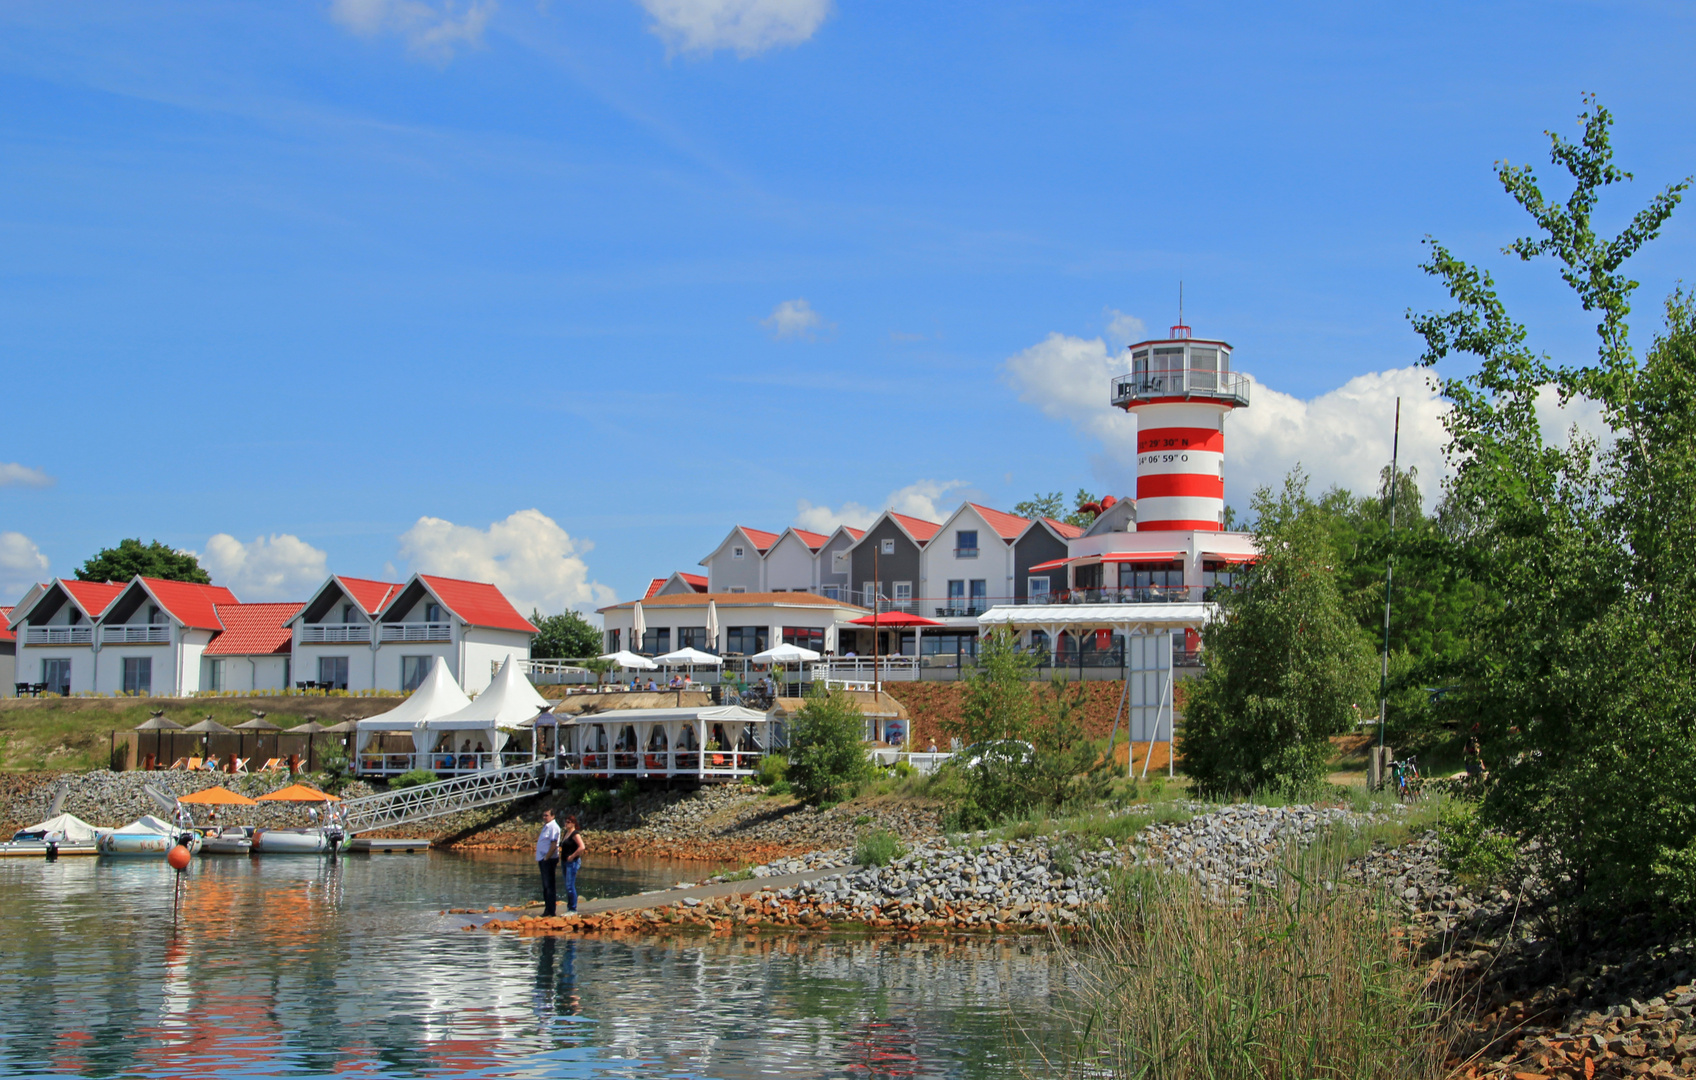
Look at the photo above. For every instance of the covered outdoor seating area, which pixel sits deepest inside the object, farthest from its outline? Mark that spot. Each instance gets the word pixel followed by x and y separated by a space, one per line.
pixel 713 743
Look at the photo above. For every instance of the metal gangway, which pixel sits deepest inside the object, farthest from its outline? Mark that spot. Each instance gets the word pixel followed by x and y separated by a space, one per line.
pixel 470 792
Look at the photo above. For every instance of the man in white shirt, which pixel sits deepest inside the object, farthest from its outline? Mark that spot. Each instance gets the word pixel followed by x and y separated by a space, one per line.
pixel 547 861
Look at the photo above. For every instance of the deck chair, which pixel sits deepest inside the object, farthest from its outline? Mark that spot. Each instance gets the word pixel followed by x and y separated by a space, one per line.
pixel 194 764
pixel 718 761
pixel 182 763
pixel 239 765
pixel 210 764
pixel 271 765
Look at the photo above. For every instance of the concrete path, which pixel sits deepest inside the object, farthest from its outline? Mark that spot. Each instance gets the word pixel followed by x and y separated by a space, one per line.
pixel 661 897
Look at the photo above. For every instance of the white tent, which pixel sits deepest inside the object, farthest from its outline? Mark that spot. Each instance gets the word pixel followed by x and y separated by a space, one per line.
pixel 145 825
pixel 509 700
pixel 626 659
pixel 784 654
pixel 437 696
pixel 65 828
pixel 689 656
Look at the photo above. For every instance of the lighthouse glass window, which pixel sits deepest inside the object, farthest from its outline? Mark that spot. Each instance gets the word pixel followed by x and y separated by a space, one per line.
pixel 1151 581
pixel 1204 368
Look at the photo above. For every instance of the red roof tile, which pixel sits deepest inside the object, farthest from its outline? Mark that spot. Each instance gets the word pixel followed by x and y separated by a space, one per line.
pixel 93 596
pixel 855 533
pixel 920 529
pixel 1007 526
pixel 1070 532
pixel 5 634
pixel 698 582
pixel 654 586
pixel 373 596
pixel 762 540
pixel 812 539
pixel 191 604
pixel 253 630
pixel 478 603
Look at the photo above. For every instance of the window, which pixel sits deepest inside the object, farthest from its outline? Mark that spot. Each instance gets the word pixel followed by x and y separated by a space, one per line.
pixel 830 592
pixel 839 562
pixel 432 613
pixel 869 596
pixel 1037 589
pixel 612 641
pixel 287 664
pixel 966 544
pixel 980 591
pixel 332 672
pixel 57 675
pixel 887 546
pixel 693 637
pixel 347 613
pixel 738 588
pixel 737 552
pixel 656 640
pixel 215 675
pixel 903 595
pixel 413 670
pixel 956 590
pixel 154 616
pixel 138 674
pixel 807 637
pixel 747 640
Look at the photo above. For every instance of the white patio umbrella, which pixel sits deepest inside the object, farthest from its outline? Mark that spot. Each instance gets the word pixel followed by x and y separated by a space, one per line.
pixel 626 659
pixel 712 623
pixel 690 657
pixel 638 627
pixel 784 654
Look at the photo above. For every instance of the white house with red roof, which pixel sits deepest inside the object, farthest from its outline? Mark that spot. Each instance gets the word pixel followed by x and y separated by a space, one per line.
pixel 355 634
pixel 255 651
pixel 792 563
pixel 738 563
pixel 55 631
pixel 970 566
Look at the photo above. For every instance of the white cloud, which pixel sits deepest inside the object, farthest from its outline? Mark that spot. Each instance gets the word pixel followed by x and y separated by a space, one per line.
pixel 1125 329
pixel 14 475
pixel 278 567
pixel 747 26
pixel 21 565
pixel 534 561
pixel 431 28
pixel 793 319
pixel 916 500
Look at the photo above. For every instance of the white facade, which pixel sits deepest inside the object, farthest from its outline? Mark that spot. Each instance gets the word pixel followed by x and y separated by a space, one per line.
pixel 239 673
pixel 737 564
pixel 791 564
pixel 965 569
pixel 748 622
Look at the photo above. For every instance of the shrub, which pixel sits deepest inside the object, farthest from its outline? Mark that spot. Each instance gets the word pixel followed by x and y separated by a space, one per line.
pixel 879 847
pixel 411 778
pixel 779 787
pixel 628 791
pixel 772 769
pixel 1470 851
pixel 596 800
pixel 827 764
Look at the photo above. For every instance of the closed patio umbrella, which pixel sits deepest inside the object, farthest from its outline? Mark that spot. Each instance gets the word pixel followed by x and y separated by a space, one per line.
pixel 638 627
pixel 712 624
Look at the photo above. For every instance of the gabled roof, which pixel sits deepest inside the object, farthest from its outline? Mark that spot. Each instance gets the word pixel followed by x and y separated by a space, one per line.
pixel 6 634
pixel 373 596
pixel 698 582
pixel 761 539
pixel 693 582
pixel 918 528
pixel 1007 526
pixel 811 539
pixel 654 586
pixel 93 597
pixel 253 630
pixel 478 603
pixel 193 605
pixel 1066 530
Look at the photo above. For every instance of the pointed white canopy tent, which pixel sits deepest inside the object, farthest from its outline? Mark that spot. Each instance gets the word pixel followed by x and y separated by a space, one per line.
pixel 626 659
pixel 436 697
pixel 509 700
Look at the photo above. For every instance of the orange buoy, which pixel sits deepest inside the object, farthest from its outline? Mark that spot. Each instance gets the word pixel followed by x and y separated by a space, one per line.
pixel 179 858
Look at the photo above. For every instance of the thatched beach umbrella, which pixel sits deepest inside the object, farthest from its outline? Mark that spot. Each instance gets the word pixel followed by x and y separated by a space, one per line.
pixel 158 725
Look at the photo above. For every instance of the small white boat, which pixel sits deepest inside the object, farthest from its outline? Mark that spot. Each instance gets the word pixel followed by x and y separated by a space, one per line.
pixel 146 835
pixel 230 840
pixel 63 834
pixel 290 841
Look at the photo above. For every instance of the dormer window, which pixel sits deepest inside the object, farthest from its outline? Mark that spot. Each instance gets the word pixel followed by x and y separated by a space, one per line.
pixel 432 613
pixel 737 552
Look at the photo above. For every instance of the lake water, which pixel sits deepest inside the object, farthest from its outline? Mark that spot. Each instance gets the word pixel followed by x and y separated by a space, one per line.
pixel 297 966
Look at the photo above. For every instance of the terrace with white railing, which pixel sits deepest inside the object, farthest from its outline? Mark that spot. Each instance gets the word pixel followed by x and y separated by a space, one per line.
pixel 417 631
pixel 58 635
pixel 143 634
pixel 335 633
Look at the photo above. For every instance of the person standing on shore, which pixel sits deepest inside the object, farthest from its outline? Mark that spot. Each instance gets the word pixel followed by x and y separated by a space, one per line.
pixel 574 847
pixel 547 861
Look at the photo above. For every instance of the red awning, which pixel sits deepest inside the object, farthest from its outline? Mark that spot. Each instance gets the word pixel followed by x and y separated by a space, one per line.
pixel 1052 564
pixel 1229 556
pixel 1143 556
pixel 895 618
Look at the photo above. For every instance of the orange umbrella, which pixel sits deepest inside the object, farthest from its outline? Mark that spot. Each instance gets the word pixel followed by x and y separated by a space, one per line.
pixel 298 793
pixel 217 796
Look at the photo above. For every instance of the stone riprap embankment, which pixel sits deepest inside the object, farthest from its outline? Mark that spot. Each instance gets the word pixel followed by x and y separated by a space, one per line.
pixel 110 799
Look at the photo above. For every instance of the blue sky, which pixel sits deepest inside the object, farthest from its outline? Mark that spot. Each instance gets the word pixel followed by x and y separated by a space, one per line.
pixel 555 293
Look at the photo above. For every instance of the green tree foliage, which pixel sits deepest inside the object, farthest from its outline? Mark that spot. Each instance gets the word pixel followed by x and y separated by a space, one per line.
pixel 154 560
pixel 827 763
pixel 997 702
pixel 1580 679
pixel 566 636
pixel 1053 505
pixel 1287 664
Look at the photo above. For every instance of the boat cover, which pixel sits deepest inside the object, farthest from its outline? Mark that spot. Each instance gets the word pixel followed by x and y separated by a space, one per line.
pixel 146 825
pixel 74 829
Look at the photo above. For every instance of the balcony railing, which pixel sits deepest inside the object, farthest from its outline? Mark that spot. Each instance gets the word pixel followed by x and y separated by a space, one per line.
pixel 147 634
pixel 966 553
pixel 1128 594
pixel 418 631
pixel 1183 382
pixel 58 635
pixel 960 607
pixel 334 633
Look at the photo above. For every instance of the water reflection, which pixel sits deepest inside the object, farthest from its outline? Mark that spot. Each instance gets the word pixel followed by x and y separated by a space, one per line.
pixel 303 967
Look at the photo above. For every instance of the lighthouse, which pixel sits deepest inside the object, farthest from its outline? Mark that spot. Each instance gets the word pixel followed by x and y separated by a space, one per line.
pixel 1180 389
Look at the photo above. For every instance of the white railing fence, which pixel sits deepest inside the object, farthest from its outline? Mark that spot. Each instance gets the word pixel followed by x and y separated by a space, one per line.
pixel 417 631
pixel 58 635
pixel 335 633
pixel 149 634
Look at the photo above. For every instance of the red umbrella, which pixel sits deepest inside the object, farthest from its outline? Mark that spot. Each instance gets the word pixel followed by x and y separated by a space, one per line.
pixel 895 618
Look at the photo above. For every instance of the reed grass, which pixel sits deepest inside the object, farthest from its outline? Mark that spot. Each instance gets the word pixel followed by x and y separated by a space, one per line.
pixel 1307 978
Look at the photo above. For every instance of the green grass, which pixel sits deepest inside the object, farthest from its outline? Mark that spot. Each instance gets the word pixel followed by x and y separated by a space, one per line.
pixel 879 847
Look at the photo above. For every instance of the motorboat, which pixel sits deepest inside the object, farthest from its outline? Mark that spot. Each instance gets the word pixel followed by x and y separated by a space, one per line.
pixel 295 841
pixel 230 840
pixel 62 834
pixel 146 835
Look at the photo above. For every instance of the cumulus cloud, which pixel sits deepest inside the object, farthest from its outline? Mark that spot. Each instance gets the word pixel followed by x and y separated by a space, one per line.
pixel 793 320
pixel 277 567
pixel 1125 329
pixel 534 561
pixel 21 565
pixel 14 475
pixel 919 499
pixel 746 26
pixel 430 28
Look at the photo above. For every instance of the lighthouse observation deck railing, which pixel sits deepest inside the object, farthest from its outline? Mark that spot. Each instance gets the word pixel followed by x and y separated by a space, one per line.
pixel 1205 383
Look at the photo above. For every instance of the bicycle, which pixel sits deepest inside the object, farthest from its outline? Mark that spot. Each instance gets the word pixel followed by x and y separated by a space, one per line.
pixel 1404 775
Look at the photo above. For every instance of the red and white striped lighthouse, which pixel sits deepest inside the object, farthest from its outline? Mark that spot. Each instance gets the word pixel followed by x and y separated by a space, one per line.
pixel 1180 389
